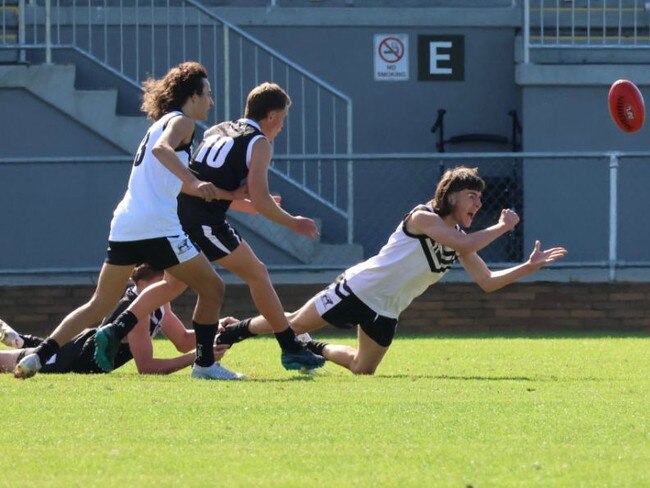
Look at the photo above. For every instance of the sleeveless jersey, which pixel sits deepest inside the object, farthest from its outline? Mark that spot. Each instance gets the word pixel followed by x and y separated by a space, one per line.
pixel 223 158
pixel 402 270
pixel 149 208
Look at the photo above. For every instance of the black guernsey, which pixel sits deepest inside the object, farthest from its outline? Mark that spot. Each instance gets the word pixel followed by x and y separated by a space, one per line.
pixel 221 159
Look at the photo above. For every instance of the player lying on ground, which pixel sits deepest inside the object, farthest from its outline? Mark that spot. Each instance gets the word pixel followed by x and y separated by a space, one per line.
pixel 77 356
pixel 425 244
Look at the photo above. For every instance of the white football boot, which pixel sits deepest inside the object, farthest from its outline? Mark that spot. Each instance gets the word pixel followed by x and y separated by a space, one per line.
pixel 10 337
pixel 215 372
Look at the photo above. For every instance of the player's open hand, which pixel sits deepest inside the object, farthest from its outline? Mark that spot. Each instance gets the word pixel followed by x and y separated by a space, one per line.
pixel 539 258
pixel 306 227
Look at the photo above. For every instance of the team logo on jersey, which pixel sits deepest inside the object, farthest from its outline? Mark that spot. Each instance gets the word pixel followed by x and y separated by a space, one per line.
pixel 183 247
pixel 327 300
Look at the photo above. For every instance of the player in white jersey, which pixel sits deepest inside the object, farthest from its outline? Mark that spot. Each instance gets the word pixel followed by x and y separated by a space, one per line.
pixel 145 227
pixel 76 356
pixel 231 153
pixel 372 294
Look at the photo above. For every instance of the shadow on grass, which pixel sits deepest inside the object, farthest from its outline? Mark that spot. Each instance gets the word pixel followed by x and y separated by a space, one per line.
pixel 530 335
pixel 535 379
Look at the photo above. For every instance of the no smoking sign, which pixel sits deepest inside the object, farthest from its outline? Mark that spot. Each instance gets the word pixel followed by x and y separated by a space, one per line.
pixel 391 57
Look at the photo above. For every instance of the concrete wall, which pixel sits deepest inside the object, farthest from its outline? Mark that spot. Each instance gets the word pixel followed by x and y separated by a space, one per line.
pixel 32 127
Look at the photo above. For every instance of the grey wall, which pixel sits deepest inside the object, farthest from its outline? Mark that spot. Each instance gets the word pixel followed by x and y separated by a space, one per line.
pixel 31 127
pixel 397 116
pixel 568 202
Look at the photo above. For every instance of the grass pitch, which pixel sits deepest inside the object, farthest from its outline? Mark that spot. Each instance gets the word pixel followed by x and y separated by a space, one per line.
pixel 441 411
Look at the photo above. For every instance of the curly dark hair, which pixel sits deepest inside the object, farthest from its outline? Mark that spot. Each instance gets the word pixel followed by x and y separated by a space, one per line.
pixel 170 92
pixel 453 180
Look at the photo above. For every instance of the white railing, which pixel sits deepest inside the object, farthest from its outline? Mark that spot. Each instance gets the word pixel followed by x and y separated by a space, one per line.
pixel 418 173
pixel 590 24
pixel 134 39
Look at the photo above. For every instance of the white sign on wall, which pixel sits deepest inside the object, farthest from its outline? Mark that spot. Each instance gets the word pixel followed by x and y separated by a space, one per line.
pixel 391 57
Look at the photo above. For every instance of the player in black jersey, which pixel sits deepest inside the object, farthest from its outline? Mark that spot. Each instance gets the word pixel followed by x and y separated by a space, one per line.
pixel 77 355
pixel 372 294
pixel 233 154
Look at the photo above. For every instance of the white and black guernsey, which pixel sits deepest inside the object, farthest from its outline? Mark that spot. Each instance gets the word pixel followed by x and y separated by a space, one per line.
pixel 148 209
pixel 402 270
pixel 223 158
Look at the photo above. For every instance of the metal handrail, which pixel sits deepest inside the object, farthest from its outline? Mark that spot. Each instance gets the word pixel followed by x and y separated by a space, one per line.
pixel 45 25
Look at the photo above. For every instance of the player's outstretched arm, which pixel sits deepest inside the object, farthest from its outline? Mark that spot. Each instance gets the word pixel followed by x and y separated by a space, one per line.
pixel 435 227
pixel 490 280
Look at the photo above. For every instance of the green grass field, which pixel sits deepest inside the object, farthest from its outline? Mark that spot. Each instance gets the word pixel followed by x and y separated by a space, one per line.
pixel 441 411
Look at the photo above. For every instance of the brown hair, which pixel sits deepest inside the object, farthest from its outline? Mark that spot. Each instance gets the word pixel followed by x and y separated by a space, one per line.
pixel 453 180
pixel 265 98
pixel 170 92
pixel 145 272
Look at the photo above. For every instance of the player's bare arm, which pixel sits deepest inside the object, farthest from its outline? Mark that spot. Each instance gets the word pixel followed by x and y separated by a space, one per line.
pixel 178 132
pixel 436 228
pixel 142 350
pixel 258 188
pixel 490 280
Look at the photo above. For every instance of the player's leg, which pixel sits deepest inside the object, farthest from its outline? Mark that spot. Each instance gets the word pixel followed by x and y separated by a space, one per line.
pixel 208 285
pixel 222 244
pixel 245 264
pixel 112 280
pixel 8 359
pixel 363 360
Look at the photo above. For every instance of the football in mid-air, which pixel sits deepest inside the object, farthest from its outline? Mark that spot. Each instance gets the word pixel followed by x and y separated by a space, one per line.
pixel 626 106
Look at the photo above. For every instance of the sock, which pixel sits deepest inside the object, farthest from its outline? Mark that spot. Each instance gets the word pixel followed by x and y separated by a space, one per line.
pixel 124 323
pixel 287 340
pixel 235 333
pixel 204 343
pixel 46 350
pixel 30 340
pixel 316 347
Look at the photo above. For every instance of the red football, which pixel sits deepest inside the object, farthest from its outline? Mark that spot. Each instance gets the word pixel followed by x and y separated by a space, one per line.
pixel 626 106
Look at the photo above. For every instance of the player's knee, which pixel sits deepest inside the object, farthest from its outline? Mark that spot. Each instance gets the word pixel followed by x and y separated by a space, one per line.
pixel 212 287
pixel 363 369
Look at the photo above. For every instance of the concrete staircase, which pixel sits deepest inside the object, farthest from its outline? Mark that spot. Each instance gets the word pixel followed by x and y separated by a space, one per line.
pixel 94 109
pixel 299 250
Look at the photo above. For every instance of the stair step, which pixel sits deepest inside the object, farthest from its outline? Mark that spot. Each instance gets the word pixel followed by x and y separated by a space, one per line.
pixel 297 246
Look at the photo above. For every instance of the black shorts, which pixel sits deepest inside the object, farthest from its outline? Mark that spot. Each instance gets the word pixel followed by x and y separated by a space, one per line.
pixel 339 306
pixel 160 253
pixel 77 356
pixel 216 240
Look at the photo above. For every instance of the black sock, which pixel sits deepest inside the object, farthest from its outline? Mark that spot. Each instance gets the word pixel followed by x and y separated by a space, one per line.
pixel 316 347
pixel 46 350
pixel 124 323
pixel 30 340
pixel 204 343
pixel 235 333
pixel 287 340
